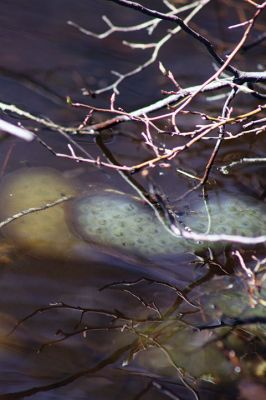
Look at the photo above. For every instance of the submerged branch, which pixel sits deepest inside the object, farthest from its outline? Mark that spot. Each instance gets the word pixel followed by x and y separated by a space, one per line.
pixel 33 210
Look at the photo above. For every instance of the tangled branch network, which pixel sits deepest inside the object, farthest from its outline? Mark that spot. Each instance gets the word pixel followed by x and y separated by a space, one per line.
pixel 164 117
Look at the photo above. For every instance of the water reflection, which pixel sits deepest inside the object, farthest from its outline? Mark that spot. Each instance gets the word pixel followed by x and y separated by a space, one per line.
pixel 103 325
pixel 141 329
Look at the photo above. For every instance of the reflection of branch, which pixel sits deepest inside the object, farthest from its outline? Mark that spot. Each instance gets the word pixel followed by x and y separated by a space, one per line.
pixel 175 19
pixel 61 305
pixel 165 391
pixel 33 84
pixel 150 306
pixel 114 315
pixel 83 331
pixel 172 362
pixel 198 5
pixel 150 281
pixel 234 322
pixel 148 25
pixel 149 337
pixel 257 41
pixel 116 355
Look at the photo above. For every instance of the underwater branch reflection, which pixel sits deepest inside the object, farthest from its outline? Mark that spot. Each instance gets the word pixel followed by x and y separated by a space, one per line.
pixel 191 336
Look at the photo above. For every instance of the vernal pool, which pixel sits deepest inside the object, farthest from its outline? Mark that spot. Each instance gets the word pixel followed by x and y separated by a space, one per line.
pixel 111 220
pixel 98 300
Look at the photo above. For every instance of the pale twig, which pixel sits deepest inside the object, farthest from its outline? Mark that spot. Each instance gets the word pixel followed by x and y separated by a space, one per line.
pixel 178 149
pixel 250 279
pixel 148 25
pixel 255 122
pixel 179 232
pixel 248 272
pixel 225 63
pixel 256 131
pixel 225 115
pixel 214 153
pixel 178 21
pixel 243 161
pixel 173 98
pixel 16 131
pixel 33 210
pixel 124 117
pixel 212 238
pixel 98 162
pixel 157 46
pixel 25 114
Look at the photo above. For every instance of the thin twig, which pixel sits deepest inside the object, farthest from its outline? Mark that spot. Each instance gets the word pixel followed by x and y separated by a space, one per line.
pixel 33 210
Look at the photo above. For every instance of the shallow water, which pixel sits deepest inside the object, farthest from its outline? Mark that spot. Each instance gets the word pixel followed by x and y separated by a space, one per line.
pixel 139 337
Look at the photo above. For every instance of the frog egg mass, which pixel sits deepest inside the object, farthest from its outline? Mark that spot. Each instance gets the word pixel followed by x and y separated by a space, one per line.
pixel 111 220
pixel 43 232
pixel 120 221
pixel 229 214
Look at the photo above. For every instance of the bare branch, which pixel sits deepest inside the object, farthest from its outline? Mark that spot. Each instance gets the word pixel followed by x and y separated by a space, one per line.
pixel 16 131
pixel 33 210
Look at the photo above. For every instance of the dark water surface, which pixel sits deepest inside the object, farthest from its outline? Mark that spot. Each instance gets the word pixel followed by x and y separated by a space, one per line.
pixel 128 341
